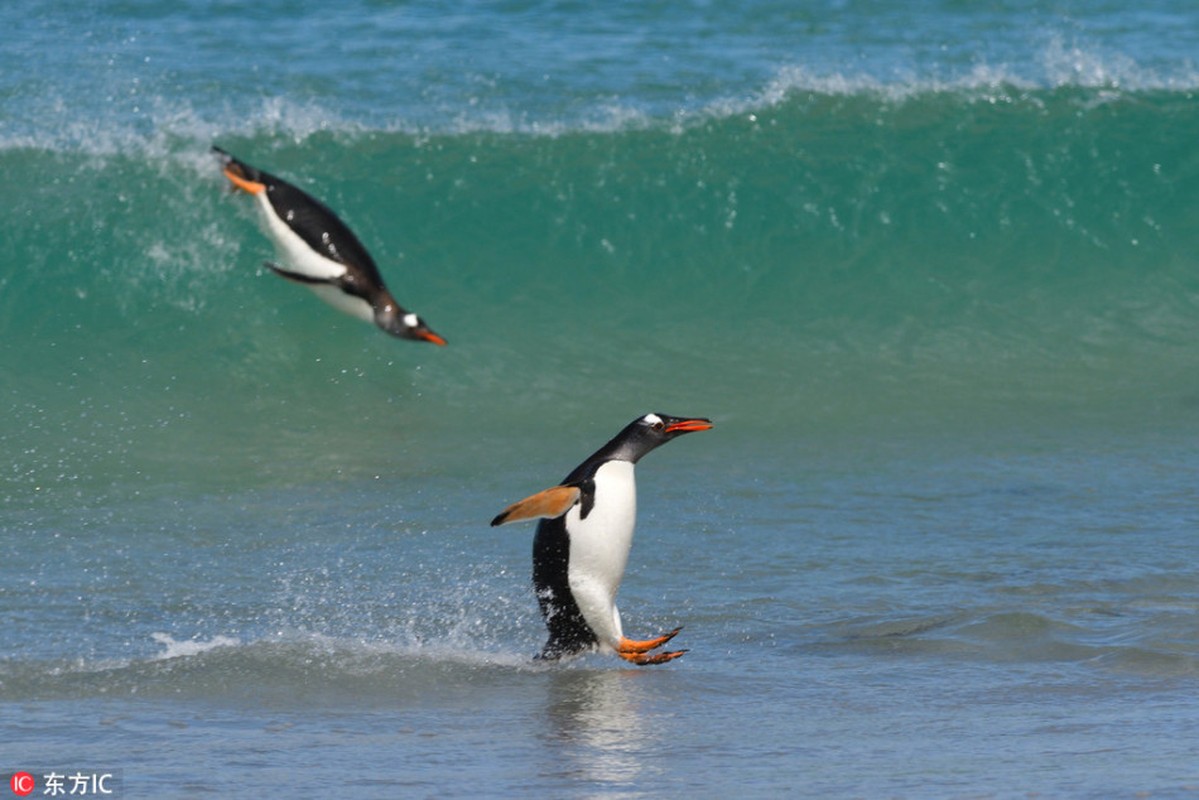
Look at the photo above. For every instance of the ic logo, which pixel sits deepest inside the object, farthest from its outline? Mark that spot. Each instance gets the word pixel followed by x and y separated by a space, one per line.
pixel 22 784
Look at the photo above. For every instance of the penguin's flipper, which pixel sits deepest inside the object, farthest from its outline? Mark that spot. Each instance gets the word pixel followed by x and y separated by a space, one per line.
pixel 297 277
pixel 241 176
pixel 550 503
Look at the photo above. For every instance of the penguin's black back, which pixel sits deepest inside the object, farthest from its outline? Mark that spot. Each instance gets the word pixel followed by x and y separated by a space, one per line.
pixel 314 222
pixel 569 632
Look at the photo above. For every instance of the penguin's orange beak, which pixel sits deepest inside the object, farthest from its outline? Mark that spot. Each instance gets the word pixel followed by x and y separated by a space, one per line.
pixel 689 425
pixel 429 336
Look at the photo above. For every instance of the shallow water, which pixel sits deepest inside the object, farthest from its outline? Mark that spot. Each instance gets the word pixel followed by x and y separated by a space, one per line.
pixel 937 290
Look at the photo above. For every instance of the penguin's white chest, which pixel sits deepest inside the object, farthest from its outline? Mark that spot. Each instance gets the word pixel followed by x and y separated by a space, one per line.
pixel 348 303
pixel 299 256
pixel 599 545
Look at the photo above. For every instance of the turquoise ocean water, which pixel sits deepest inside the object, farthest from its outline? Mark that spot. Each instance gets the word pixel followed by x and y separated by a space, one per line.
pixel 931 268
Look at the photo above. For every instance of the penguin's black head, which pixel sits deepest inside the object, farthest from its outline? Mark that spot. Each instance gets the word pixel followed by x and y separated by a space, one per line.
pixel 404 324
pixel 653 430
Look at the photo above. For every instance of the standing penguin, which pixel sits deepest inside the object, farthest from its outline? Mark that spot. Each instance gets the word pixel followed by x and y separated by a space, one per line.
pixel 583 540
pixel 323 253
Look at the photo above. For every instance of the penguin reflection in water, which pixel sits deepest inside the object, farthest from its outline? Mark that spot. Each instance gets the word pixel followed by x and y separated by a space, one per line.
pixel 323 253
pixel 582 544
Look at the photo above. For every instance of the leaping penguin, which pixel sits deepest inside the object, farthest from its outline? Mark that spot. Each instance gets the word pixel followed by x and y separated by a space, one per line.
pixel 583 540
pixel 323 253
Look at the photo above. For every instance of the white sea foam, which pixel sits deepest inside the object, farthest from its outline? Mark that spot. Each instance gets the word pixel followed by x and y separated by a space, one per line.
pixel 160 125
pixel 165 125
pixel 1058 65
pixel 190 647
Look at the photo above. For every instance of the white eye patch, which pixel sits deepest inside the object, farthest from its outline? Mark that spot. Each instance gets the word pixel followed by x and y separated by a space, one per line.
pixel 411 320
pixel 652 419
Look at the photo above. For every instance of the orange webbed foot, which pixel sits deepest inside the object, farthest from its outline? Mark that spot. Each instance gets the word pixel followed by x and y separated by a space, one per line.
pixel 238 180
pixel 633 646
pixel 641 659
pixel 637 652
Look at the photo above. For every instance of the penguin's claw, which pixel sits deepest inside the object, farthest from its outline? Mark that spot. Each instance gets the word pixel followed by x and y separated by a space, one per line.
pixel 641 659
pixel 633 647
